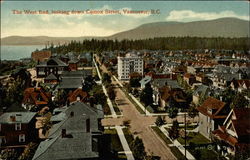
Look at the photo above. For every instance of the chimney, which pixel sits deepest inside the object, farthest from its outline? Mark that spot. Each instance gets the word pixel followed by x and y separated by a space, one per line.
pixel 13 118
pixel 63 133
pixel 71 114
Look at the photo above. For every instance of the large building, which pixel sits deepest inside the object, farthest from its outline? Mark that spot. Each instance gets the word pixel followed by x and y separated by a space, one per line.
pixel 129 64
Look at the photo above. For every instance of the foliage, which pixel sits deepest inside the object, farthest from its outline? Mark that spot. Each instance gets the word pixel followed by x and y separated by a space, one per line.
pixel 138 149
pixel 100 98
pixel 134 82
pixel 172 112
pixel 161 43
pixel 192 111
pixel 9 154
pixel 111 93
pixel 174 130
pixel 239 101
pixel 28 151
pixel 128 88
pixel 88 83
pixel 147 95
pixel 160 121
pixel 106 78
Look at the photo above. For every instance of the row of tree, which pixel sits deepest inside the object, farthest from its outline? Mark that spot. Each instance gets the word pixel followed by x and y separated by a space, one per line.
pixel 161 43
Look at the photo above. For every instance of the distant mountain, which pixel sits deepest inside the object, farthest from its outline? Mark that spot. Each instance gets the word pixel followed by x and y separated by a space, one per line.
pixel 224 27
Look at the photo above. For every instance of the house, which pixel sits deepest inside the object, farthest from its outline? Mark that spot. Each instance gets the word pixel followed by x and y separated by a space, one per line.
pixel 73 64
pixel 77 95
pixel 234 134
pixel 212 113
pixel 71 80
pixel 189 78
pixel 201 91
pixel 17 129
pixel 240 85
pixel 35 97
pixel 168 94
pixel 41 55
pixel 160 83
pixel 52 65
pixel 51 78
pixel 77 136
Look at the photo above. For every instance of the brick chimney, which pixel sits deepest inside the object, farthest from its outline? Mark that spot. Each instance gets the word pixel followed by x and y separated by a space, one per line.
pixel 13 118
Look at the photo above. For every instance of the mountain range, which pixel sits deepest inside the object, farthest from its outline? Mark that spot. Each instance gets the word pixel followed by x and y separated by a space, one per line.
pixel 223 27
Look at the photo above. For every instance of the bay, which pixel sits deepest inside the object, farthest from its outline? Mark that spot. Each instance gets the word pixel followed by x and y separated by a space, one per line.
pixel 18 52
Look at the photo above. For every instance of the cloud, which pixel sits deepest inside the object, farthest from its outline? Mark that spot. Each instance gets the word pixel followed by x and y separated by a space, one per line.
pixel 189 15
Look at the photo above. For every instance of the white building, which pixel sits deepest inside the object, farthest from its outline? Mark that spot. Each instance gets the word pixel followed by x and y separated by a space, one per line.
pixel 129 64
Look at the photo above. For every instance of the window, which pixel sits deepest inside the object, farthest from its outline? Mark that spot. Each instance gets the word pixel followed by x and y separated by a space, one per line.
pixel 22 138
pixel 87 125
pixel 18 126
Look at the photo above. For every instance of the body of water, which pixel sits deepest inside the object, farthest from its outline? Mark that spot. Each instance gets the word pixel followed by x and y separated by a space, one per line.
pixel 18 52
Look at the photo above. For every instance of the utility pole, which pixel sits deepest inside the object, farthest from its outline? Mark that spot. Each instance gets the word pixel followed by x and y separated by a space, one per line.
pixel 185 135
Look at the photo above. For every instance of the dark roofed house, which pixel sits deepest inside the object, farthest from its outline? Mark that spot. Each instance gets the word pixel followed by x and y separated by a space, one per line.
pixel 17 129
pixel 77 136
pixel 52 65
pixel 212 113
pixel 234 134
pixel 73 64
pixel 51 78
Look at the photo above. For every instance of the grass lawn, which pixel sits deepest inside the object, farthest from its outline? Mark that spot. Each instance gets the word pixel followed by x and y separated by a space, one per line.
pixel 129 137
pixel 196 138
pixel 161 135
pixel 188 127
pixel 117 110
pixel 115 141
pixel 177 153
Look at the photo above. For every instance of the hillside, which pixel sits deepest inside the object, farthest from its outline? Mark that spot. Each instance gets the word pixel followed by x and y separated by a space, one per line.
pixel 224 27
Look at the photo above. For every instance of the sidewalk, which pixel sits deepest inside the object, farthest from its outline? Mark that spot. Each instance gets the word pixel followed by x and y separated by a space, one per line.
pixel 105 92
pixel 124 143
pixel 176 143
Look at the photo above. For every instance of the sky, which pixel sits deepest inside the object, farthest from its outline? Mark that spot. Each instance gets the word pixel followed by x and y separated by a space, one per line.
pixel 96 24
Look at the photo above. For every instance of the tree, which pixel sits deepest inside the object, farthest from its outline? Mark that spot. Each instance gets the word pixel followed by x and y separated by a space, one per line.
pixel 100 98
pixel 174 130
pixel 138 149
pixel 172 112
pixel 147 95
pixel 106 78
pixel 111 93
pixel 192 111
pixel 239 101
pixel 160 121
pixel 134 82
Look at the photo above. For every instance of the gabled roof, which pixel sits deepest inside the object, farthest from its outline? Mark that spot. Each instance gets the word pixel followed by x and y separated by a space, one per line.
pixel 51 76
pixel 201 90
pixel 79 146
pixel 31 96
pixel 241 123
pixel 77 93
pixel 212 104
pixel 20 117
pixel 76 122
pixel 53 62
pixel 70 83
